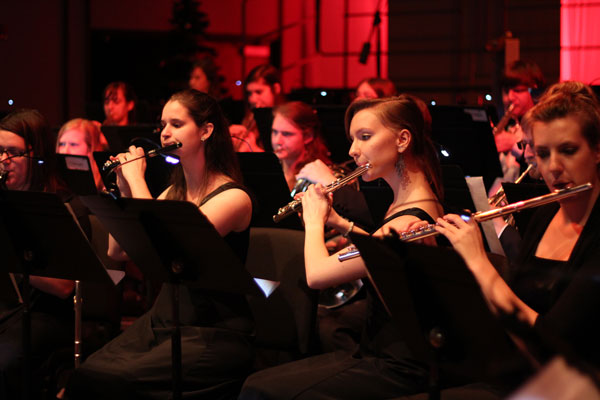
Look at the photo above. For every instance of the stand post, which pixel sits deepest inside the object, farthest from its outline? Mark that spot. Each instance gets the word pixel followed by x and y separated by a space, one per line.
pixel 26 334
pixel 176 344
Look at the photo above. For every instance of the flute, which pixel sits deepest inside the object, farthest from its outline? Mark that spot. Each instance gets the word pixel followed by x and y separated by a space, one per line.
pixel 296 205
pixel 480 216
pixel 111 165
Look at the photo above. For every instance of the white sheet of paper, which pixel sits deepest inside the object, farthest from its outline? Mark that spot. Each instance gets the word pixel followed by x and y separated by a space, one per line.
pixel 266 286
pixel 479 196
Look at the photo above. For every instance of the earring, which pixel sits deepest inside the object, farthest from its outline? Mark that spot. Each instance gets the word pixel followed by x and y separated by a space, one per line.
pixel 203 139
pixel 400 166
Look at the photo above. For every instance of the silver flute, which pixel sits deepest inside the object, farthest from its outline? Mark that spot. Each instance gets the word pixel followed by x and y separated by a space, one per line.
pixel 111 165
pixel 480 216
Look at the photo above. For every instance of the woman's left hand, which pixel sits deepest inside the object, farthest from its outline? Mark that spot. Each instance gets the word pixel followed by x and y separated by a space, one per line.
pixel 464 236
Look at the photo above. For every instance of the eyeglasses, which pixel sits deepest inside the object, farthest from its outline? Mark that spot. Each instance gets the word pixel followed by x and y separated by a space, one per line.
pixel 12 152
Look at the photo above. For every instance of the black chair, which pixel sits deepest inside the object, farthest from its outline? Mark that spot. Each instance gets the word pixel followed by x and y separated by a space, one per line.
pixel 285 321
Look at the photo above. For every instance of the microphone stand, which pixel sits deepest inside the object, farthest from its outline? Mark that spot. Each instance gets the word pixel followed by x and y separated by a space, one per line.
pixel 366 49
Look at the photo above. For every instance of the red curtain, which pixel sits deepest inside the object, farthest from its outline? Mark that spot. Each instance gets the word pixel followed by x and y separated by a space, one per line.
pixel 580 41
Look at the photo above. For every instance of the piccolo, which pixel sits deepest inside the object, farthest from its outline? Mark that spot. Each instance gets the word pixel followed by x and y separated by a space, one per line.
pixel 480 216
pixel 296 205
pixel 111 165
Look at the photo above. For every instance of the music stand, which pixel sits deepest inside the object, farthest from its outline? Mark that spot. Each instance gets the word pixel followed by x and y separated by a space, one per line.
pixel 264 177
pixel 38 236
pixel 464 137
pixel 120 137
pixel 172 241
pixel 76 172
pixel 264 120
pixel 438 307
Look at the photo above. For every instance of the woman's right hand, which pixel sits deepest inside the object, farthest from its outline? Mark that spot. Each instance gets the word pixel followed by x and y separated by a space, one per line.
pixel 316 205
pixel 465 238
pixel 130 172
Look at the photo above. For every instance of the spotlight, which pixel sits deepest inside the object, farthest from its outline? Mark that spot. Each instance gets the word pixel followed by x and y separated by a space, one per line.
pixel 323 93
pixel 238 83
pixel 488 97
pixel 10 102
pixel 433 103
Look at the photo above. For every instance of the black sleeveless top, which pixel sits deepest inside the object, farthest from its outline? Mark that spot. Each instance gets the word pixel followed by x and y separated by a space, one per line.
pixel 381 337
pixel 201 307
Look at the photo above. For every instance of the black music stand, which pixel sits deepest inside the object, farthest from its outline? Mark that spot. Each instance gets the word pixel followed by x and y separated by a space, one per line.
pixel 264 177
pixel 439 310
pixel 264 120
pixel 39 236
pixel 464 137
pixel 172 241
pixel 76 172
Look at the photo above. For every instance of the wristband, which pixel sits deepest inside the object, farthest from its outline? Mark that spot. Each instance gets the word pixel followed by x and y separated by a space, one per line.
pixel 345 234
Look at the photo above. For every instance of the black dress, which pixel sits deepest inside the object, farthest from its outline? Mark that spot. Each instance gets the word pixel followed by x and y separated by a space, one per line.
pixel 216 342
pixel 381 368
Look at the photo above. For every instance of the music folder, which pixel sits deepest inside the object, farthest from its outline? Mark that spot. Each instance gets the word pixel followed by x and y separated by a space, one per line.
pixel 439 309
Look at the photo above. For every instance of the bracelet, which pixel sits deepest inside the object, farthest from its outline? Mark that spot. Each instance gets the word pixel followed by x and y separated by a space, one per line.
pixel 345 234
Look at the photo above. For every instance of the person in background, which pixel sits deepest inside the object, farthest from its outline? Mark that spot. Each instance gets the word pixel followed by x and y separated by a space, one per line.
pixel 374 88
pixel 119 104
pixel 27 155
pixel 521 81
pixel 263 89
pixel 82 137
pixel 205 78
pixel 296 138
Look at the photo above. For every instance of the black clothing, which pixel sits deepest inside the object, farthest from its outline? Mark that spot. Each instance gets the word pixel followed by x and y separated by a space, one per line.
pixel 382 366
pixel 565 294
pixel 217 351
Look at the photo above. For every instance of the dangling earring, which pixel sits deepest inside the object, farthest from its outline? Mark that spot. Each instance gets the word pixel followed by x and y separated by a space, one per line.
pixel 401 171
pixel 400 166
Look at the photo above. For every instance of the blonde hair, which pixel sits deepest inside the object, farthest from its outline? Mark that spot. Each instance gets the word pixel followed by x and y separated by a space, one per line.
pixel 94 138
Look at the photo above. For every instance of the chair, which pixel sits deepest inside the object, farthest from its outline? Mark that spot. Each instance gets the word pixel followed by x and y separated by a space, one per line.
pixel 285 321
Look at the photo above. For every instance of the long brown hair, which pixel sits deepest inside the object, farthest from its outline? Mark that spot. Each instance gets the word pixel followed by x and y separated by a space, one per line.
pixel 403 112
pixel 218 149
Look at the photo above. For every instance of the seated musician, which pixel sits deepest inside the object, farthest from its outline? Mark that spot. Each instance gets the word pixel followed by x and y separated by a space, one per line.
pixel 82 137
pixel 217 351
pixel 520 81
pixel 262 89
pixel 390 135
pixel 296 138
pixel 25 140
pixel 554 285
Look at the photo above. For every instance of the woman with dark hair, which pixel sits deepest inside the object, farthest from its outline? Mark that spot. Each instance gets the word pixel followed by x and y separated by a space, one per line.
pixel 120 104
pixel 216 346
pixel 35 168
pixel 389 134
pixel 205 78
pixel 296 138
pixel 374 88
pixel 262 89
pixel 27 157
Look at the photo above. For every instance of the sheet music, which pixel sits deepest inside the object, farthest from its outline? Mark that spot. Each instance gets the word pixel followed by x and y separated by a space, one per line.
pixel 480 200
